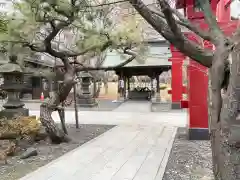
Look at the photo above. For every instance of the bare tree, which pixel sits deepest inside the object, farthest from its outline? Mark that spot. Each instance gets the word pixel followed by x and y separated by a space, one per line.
pixel 224 64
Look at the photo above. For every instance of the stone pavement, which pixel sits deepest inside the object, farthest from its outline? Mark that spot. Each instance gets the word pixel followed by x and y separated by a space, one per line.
pixel 126 152
pixel 128 113
pixel 137 149
pixel 175 118
pixel 134 106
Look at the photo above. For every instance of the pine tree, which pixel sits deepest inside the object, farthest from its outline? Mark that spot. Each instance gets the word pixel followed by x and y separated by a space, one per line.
pixel 34 26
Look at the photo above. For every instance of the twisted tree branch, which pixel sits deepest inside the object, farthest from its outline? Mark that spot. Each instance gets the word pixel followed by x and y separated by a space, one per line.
pixel 82 67
pixel 216 33
pixel 171 20
pixel 189 48
pixel 186 23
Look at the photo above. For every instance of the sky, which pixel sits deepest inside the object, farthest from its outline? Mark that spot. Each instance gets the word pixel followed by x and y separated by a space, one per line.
pixel 235 8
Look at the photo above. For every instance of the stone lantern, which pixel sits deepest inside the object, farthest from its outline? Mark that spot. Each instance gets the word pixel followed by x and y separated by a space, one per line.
pixel 85 99
pixel 13 84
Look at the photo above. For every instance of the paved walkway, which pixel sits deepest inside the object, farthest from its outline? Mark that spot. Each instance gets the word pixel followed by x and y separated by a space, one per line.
pixel 171 118
pixel 128 113
pixel 134 106
pixel 137 149
pixel 124 153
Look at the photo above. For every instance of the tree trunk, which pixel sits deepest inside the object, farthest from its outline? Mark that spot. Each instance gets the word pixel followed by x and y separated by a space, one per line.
pixel 225 127
pixel 213 130
pixel 56 135
pixel 61 113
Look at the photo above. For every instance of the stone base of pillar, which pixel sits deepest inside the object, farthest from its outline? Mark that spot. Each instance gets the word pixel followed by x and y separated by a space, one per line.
pixel 198 134
pixel 176 105
pixel 158 99
pixel 13 104
pixel 86 101
pixel 10 113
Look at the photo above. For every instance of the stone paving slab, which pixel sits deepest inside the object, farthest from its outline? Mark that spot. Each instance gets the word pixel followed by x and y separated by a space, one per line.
pixel 131 112
pixel 127 152
pixel 134 106
pixel 171 118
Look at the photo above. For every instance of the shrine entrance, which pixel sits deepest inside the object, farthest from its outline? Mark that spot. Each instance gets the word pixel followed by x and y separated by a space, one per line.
pixel 150 65
pixel 145 90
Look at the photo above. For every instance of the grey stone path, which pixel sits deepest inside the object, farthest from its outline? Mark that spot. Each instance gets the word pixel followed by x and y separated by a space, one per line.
pixel 137 149
pixel 171 118
pixel 126 152
pixel 128 113
pixel 134 106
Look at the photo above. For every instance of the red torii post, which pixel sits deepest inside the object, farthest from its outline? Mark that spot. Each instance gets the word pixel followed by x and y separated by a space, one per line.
pixel 178 89
pixel 197 74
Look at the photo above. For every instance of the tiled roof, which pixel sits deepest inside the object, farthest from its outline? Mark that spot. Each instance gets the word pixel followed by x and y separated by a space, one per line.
pixel 157 55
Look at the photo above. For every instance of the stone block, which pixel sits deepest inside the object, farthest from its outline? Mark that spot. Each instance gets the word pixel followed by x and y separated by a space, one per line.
pixel 83 101
pixel 176 105
pixel 198 134
pixel 9 113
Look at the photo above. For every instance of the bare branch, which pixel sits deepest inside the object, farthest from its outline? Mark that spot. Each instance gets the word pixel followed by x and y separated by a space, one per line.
pixel 61 54
pixel 102 47
pixel 34 47
pixel 54 33
pixel 187 47
pixel 186 23
pixel 107 4
pixel 52 23
pixel 170 19
pixel 88 68
pixel 215 30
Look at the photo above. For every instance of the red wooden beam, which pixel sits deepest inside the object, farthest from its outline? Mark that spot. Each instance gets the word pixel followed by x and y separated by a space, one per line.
pixel 184 104
pixel 169 91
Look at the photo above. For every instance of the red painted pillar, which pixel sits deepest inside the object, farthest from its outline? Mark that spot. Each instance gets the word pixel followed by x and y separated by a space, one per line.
pixel 198 105
pixel 177 76
pixel 197 99
pixel 198 81
pixel 198 74
pixel 223 14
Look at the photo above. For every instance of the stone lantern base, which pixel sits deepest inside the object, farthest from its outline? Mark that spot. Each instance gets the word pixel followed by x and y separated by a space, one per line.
pixel 86 101
pixel 10 113
pixel 13 85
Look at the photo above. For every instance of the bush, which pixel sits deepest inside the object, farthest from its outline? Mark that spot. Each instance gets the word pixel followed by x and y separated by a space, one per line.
pixel 19 127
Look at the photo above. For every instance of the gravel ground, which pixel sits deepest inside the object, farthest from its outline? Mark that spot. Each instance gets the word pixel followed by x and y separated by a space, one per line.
pixel 189 160
pixel 17 168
